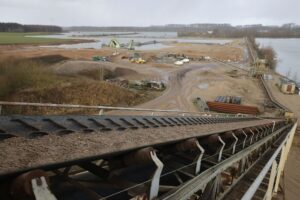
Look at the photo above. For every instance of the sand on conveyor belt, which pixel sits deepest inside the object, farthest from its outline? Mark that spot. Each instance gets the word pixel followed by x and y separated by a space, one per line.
pixel 21 153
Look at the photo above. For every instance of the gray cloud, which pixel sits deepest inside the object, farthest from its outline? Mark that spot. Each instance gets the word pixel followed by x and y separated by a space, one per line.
pixel 148 12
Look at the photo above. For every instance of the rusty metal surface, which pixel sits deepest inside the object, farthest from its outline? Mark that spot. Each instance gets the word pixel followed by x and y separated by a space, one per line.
pixel 232 108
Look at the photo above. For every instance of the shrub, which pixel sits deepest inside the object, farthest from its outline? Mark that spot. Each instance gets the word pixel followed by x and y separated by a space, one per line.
pixel 16 74
pixel 269 54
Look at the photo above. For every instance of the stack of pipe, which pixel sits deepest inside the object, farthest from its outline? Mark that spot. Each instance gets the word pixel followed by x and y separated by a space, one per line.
pixel 232 108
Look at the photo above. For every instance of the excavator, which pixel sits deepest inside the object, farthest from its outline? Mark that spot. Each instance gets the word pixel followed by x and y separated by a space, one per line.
pixel 114 43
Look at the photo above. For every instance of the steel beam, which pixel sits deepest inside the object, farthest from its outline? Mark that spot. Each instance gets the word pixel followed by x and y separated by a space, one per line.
pixel 244 142
pixel 222 148
pixel 41 190
pixel 154 188
pixel 198 163
pixel 254 186
pixel 235 142
pixel 269 192
pixel 284 154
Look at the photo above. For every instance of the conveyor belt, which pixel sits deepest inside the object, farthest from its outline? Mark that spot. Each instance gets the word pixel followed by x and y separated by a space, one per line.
pixel 36 126
pixel 271 97
pixel 125 172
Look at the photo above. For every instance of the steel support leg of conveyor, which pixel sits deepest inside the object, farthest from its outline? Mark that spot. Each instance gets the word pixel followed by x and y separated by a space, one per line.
pixel 154 188
pixel 222 148
pixel 198 163
pixel 235 142
pixel 41 190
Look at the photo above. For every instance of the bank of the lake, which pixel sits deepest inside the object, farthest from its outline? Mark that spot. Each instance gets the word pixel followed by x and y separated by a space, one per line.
pixel 288 55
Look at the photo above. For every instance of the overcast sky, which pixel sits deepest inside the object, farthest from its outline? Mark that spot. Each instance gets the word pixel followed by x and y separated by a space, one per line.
pixel 149 12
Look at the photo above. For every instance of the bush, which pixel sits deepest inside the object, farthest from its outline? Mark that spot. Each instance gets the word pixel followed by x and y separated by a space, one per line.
pixel 269 54
pixel 16 74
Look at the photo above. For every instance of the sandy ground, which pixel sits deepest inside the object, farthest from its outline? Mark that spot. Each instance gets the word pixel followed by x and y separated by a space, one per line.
pixel 231 51
pixel 292 168
pixel 151 70
pixel 206 80
pixel 197 79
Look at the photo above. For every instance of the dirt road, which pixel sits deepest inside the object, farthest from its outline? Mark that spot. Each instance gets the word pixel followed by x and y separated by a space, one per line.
pixel 178 93
pixel 203 79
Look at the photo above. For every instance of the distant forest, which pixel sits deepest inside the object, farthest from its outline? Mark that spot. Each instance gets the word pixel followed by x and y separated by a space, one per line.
pixel 237 33
pixel 289 30
pixel 15 27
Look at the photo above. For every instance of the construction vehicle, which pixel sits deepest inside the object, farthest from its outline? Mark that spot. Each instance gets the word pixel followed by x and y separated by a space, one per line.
pixel 200 103
pixel 178 63
pixel 138 60
pixel 100 58
pixel 148 85
pixel 114 43
pixel 131 45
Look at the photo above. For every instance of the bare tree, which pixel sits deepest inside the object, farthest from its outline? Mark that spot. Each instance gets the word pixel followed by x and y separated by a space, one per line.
pixel 269 54
pixel 295 77
pixel 288 73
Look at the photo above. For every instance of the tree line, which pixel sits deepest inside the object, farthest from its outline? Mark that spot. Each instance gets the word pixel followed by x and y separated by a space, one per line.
pixel 236 32
pixel 15 27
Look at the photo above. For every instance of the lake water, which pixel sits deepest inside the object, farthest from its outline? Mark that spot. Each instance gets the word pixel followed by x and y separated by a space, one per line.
pixel 160 37
pixel 288 55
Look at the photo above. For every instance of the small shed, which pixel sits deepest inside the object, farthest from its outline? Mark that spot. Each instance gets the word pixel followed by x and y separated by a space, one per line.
pixel 287 86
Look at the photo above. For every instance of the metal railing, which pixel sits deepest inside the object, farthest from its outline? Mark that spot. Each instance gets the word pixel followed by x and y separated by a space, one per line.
pixel 271 163
pixel 110 108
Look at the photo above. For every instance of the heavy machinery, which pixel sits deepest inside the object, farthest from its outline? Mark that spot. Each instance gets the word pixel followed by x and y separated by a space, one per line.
pixel 114 43
pixel 138 60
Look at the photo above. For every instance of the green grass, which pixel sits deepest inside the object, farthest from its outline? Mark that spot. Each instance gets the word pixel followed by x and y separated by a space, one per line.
pixel 20 38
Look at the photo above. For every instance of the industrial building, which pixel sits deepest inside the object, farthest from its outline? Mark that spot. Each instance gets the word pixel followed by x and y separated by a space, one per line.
pixel 287 86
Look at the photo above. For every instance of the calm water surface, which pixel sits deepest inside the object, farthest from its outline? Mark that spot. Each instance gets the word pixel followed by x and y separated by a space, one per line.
pixel 288 55
pixel 137 37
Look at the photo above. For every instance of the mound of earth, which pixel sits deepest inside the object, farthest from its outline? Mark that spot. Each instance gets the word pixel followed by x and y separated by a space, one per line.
pixel 49 59
pixel 84 92
pixel 91 69
pixel 72 67
pixel 118 72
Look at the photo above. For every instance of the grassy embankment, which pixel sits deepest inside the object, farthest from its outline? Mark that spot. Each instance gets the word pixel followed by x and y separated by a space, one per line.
pixel 33 80
pixel 21 38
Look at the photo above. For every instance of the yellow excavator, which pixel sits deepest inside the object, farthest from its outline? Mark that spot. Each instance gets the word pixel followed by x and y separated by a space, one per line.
pixel 138 60
pixel 114 43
